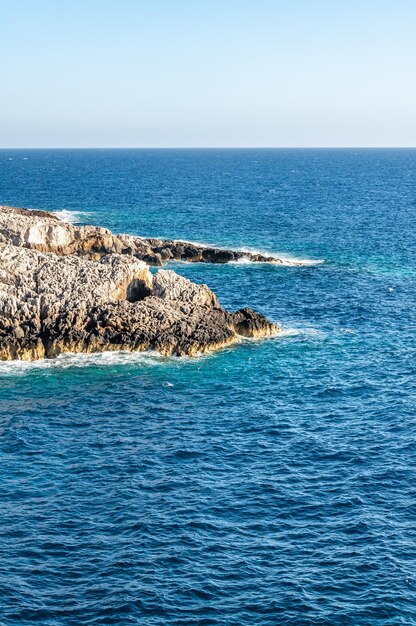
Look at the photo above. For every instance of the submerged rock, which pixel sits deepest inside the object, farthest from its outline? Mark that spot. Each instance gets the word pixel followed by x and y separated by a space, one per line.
pixel 81 289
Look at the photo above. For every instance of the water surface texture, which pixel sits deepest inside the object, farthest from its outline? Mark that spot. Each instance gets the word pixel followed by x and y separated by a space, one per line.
pixel 272 482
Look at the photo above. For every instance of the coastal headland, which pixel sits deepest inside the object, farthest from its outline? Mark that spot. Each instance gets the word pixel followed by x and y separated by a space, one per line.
pixel 66 288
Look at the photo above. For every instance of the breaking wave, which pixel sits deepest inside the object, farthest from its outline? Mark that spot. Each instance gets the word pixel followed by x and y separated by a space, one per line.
pixel 82 359
pixel 72 217
pixel 281 257
pixel 301 332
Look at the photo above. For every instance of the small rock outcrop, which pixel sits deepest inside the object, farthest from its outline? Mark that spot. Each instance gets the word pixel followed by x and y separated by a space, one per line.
pixel 82 289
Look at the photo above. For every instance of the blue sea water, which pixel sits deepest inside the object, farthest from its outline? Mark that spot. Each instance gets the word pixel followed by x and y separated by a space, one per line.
pixel 270 483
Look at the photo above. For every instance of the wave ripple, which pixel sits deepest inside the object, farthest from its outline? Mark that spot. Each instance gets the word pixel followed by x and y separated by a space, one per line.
pixel 271 483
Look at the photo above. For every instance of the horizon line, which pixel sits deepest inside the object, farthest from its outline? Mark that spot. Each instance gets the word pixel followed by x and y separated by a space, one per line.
pixel 210 148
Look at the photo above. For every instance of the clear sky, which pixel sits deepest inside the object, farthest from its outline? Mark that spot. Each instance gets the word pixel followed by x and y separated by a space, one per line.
pixel 141 73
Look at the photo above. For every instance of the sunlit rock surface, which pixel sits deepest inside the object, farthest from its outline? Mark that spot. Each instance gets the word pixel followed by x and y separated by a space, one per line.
pixel 82 289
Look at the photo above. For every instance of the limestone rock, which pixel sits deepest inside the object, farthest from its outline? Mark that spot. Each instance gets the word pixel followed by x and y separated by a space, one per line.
pixel 64 289
pixel 43 231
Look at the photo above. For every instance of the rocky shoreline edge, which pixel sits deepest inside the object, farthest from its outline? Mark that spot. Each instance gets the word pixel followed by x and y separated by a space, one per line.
pixel 66 288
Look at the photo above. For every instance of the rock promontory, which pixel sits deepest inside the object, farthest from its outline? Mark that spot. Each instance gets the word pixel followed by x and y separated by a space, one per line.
pixel 66 288
pixel 48 233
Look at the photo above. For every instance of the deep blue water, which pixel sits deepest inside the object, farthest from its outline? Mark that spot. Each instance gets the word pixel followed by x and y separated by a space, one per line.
pixel 269 483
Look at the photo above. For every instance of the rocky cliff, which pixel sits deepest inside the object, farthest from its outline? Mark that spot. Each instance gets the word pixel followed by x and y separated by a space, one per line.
pixel 47 233
pixel 82 289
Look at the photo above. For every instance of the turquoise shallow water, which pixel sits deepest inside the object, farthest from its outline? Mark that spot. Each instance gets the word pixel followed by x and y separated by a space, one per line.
pixel 270 483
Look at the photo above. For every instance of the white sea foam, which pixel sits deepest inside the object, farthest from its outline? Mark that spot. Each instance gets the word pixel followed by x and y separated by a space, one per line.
pixel 300 332
pixel 292 260
pixel 72 217
pixel 281 257
pixel 71 360
pixel 285 333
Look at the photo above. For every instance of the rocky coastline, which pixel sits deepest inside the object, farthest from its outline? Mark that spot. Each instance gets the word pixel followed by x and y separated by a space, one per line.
pixel 48 233
pixel 66 288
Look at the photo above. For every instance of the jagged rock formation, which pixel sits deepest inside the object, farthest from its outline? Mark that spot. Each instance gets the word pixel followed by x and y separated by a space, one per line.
pixel 49 234
pixel 82 289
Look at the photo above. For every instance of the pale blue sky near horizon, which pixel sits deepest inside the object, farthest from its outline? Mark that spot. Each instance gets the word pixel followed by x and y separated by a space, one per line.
pixel 230 73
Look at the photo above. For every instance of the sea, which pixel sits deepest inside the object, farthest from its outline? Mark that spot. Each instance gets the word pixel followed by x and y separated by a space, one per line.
pixel 269 483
